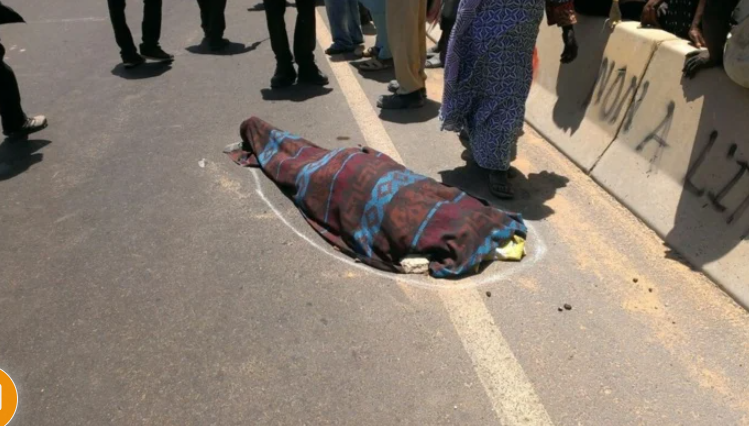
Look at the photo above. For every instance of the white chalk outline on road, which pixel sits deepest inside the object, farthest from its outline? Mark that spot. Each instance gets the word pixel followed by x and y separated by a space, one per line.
pixel 509 389
pixel 537 253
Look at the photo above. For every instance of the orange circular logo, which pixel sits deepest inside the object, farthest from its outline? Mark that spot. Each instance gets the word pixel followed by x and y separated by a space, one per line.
pixel 8 398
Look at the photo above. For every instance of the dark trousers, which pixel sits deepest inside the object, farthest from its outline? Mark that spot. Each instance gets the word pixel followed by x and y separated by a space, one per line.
pixel 151 25
pixel 212 18
pixel 448 16
pixel 304 34
pixel 11 112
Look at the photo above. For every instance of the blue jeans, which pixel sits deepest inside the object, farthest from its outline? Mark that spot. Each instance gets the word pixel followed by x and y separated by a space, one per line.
pixel 377 9
pixel 345 23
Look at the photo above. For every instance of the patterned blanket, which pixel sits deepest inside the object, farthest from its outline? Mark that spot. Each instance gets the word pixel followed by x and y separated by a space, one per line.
pixel 374 209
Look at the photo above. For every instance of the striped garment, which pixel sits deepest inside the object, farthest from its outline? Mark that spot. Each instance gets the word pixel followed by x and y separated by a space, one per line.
pixel 374 209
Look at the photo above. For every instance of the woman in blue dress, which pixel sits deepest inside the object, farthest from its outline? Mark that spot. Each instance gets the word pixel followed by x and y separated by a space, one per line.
pixel 488 75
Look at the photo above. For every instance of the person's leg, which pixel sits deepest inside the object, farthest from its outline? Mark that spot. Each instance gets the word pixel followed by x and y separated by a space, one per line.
pixel 446 24
pixel 205 16
pixel 151 23
pixel 338 17
pixel 121 31
pixel 304 44
pixel 354 25
pixel 213 22
pixel 421 40
pixel 377 10
pixel 217 20
pixel 279 39
pixel 285 74
pixel 305 32
pixel 12 114
pixel 150 48
pixel 403 20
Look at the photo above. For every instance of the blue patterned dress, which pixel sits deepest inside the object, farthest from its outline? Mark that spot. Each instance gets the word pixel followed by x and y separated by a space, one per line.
pixel 489 71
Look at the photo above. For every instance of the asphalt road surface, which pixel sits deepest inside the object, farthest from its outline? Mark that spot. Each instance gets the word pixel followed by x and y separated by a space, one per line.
pixel 139 288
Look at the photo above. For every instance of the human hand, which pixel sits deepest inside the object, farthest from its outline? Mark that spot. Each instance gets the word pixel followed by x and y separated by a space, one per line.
pixel 697 61
pixel 695 34
pixel 650 13
pixel 570 45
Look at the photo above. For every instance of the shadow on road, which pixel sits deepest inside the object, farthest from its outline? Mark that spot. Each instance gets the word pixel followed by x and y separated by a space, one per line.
pixel 345 57
pixel 260 7
pixel 147 70
pixel 232 49
pixel 531 191
pixel 417 115
pixel 297 93
pixel 18 156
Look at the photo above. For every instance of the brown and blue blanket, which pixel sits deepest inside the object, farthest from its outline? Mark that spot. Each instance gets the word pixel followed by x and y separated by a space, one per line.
pixel 374 209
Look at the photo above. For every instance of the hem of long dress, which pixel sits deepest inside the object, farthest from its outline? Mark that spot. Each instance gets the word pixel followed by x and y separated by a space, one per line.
pixel 451 126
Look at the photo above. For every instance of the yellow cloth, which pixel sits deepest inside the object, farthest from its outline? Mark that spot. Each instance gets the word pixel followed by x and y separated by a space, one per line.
pixel 513 249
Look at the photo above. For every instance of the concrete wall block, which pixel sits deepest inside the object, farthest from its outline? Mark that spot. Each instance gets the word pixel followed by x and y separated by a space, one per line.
pixel 680 163
pixel 580 107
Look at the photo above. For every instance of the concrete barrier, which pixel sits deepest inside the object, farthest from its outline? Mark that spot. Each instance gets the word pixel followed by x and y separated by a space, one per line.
pixel 680 163
pixel 580 107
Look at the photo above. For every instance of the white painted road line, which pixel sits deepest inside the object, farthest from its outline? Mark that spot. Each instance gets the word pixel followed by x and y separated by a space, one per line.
pixel 511 393
pixel 64 21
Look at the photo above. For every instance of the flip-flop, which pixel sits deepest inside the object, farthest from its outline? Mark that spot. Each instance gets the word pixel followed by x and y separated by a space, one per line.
pixel 375 64
pixel 433 62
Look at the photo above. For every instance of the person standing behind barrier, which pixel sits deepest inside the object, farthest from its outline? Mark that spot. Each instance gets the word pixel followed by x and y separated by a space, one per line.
pixel 16 124
pixel 716 24
pixel 213 22
pixel 488 76
pixel 150 48
pixel 345 26
pixel 304 44
pixel 406 26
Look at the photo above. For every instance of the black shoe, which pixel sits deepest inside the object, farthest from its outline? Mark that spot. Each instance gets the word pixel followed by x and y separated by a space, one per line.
pixel 132 61
pixel 284 76
pixel 394 87
pixel 218 45
pixel 407 101
pixel 311 74
pixel 155 53
pixel 31 125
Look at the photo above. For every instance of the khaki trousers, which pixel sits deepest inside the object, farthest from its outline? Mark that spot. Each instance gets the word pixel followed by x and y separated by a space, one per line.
pixel 407 35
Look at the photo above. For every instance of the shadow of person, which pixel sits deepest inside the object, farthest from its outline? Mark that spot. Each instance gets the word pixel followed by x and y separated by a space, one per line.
pixel 712 214
pixel 416 115
pixel 572 98
pixel 346 57
pixel 231 49
pixel 297 93
pixel 260 7
pixel 531 191
pixel 17 157
pixel 381 76
pixel 147 70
